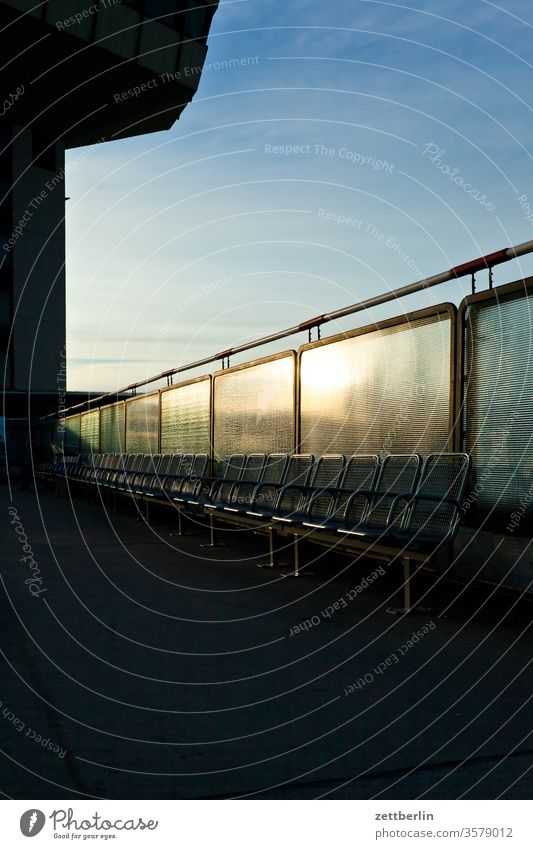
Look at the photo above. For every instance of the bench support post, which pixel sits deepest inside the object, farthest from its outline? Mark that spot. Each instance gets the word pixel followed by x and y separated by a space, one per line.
pixel 407 584
pixel 295 542
pixel 212 535
pixel 180 532
pixel 271 552
pixel 407 606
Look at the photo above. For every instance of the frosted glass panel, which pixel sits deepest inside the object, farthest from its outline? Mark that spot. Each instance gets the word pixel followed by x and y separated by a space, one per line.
pixel 142 425
pixel 90 432
pixel 385 391
pixel 254 408
pixel 185 418
pixel 112 429
pixel 498 413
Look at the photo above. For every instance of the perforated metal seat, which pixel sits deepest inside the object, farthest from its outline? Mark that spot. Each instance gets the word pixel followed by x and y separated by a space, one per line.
pixel 432 515
pixel 132 465
pixel 197 491
pixel 266 495
pixel 326 508
pixel 293 503
pixel 220 493
pixel 178 467
pixel 367 512
pixel 151 466
pixel 153 483
pixel 243 492
pixel 116 464
pixel 192 468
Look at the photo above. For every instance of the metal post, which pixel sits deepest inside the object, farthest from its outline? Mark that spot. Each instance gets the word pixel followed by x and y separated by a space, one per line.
pixel 271 551
pixel 212 535
pixel 406 585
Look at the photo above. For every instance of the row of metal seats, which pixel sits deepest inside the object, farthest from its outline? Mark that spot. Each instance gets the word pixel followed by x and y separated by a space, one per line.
pixel 138 474
pixel 398 498
pixel 399 507
pixel 49 470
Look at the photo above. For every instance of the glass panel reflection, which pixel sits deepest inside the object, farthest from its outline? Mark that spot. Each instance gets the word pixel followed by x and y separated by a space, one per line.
pixel 254 409
pixel 185 418
pixel 385 391
pixel 142 425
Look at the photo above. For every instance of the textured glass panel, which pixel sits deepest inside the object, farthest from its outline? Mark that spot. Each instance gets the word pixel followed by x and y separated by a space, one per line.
pixel 499 409
pixel 112 429
pixel 72 434
pixel 142 425
pixel 90 432
pixel 384 391
pixel 254 409
pixel 185 418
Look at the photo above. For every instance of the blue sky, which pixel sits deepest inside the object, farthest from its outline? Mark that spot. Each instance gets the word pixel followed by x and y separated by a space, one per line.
pixel 359 146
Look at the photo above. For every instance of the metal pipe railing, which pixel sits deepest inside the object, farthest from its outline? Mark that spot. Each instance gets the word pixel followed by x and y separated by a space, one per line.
pixel 484 262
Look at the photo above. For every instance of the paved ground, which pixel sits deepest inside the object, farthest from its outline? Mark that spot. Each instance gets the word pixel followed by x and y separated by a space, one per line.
pixel 145 666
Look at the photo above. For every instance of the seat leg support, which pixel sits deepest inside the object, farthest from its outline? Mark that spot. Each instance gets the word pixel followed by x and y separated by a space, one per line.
pixel 407 603
pixel 271 564
pixel 407 585
pixel 212 536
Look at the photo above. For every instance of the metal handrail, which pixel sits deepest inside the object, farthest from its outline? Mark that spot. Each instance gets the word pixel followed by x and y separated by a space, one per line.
pixel 484 262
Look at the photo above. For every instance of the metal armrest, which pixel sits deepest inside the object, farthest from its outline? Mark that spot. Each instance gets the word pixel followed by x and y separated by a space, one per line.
pixel 367 494
pixel 434 499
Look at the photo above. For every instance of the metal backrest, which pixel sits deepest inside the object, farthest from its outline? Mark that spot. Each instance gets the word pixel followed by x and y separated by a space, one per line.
pixel 134 461
pixel 293 499
pixel 122 461
pixel 444 475
pixel 360 472
pixel 185 466
pixel 251 474
pixel 199 465
pixel 169 464
pixel 275 468
pixel 399 474
pixel 435 510
pixel 297 473
pixel 272 473
pixel 254 467
pixel 299 470
pixel 327 471
pixel 153 463
pixel 145 463
pixel 232 468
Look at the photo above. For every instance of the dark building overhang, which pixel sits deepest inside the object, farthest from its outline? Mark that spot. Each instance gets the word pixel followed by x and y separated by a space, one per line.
pixel 106 71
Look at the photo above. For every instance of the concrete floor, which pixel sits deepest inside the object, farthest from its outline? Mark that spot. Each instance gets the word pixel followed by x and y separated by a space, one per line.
pixel 159 669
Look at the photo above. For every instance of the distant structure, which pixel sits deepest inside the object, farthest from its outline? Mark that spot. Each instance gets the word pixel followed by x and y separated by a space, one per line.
pixel 73 74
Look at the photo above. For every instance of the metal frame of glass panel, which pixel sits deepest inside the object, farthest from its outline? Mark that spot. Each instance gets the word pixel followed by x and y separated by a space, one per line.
pixel 499 295
pixel 128 403
pixel 252 364
pixel 175 386
pixel 445 309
